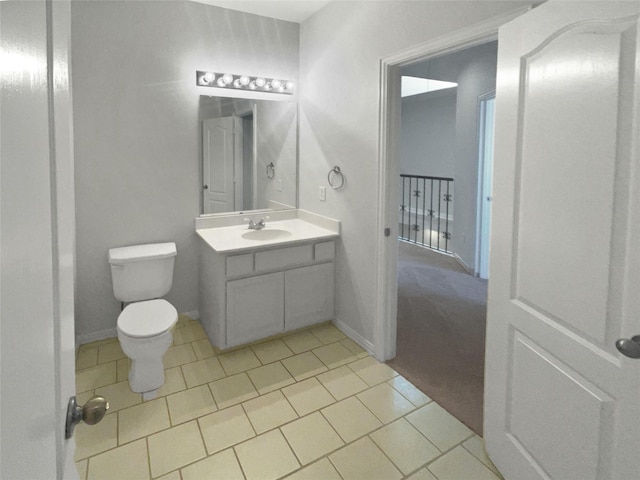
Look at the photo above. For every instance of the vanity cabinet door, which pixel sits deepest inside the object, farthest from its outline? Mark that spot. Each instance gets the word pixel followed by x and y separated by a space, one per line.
pixel 309 293
pixel 255 308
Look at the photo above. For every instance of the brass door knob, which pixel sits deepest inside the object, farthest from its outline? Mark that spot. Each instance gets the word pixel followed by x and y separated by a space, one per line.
pixel 90 413
pixel 94 410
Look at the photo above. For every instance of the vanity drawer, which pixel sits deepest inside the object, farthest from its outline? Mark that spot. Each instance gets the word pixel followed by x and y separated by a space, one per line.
pixel 324 251
pixel 240 265
pixel 283 258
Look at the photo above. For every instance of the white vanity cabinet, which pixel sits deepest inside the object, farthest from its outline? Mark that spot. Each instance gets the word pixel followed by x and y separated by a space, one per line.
pixel 255 308
pixel 249 295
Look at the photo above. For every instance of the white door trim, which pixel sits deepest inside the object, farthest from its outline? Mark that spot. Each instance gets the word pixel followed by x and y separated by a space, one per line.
pixel 388 130
pixel 482 174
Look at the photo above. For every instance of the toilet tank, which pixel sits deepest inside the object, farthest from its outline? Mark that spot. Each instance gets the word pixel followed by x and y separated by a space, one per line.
pixel 142 272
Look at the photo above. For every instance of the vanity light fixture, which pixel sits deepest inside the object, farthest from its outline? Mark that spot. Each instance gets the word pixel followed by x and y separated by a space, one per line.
pixel 243 82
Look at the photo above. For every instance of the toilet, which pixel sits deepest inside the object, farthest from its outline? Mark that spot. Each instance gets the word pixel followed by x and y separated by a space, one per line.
pixel 141 274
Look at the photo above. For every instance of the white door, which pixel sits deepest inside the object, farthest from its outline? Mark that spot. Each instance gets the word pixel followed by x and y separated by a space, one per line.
pixel 560 401
pixel 37 239
pixel 219 165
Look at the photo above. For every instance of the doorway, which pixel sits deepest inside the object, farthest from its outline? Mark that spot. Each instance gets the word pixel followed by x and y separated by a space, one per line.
pixel 441 314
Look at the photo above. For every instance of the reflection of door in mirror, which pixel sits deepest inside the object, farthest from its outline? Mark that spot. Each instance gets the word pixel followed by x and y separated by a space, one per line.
pixel 255 167
pixel 222 151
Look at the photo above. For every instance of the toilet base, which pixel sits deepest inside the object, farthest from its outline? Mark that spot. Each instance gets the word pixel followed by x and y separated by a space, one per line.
pixel 149 395
pixel 146 375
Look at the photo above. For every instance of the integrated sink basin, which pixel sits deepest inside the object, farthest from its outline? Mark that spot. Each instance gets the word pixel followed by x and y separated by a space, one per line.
pixel 266 234
pixel 230 233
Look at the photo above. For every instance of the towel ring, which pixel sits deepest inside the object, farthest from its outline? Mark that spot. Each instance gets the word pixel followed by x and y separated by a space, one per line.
pixel 337 174
pixel 271 170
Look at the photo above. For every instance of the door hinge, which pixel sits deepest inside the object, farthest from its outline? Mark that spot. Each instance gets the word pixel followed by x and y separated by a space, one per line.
pixel 387 232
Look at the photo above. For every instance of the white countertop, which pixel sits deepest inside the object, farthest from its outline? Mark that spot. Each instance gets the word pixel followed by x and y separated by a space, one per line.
pixel 230 239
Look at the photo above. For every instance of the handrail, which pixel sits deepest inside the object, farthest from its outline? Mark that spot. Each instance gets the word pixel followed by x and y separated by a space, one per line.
pixel 426 177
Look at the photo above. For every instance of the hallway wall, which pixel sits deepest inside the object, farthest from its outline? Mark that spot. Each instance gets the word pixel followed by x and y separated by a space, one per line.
pixel 340 51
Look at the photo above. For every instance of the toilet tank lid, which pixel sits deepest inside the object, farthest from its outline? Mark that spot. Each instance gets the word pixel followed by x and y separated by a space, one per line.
pixel 137 253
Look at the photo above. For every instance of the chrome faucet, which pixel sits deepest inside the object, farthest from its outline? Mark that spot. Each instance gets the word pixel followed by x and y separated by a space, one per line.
pixel 256 225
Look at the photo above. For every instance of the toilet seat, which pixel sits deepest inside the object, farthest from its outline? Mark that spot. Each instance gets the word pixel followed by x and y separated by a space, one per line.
pixel 147 319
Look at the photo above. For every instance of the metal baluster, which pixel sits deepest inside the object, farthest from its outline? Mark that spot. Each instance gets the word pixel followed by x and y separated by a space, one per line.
pixel 417 193
pixel 410 188
pixel 424 194
pixel 403 207
pixel 439 209
pixel 446 239
pixel 431 216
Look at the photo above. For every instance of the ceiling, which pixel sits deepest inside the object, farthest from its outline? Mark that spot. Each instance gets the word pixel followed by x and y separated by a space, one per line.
pixel 289 10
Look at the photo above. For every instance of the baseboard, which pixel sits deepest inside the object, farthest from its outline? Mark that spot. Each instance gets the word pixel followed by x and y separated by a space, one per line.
pixel 95 336
pixel 463 264
pixel 113 333
pixel 194 314
pixel 353 335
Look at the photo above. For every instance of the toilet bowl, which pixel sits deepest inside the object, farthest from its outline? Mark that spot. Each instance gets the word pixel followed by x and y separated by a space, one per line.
pixel 144 332
pixel 141 274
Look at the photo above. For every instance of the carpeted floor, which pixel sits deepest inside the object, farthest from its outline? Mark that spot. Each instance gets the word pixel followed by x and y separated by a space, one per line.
pixel 441 331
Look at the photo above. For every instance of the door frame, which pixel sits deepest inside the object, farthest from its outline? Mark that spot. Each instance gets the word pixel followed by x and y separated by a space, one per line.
pixel 385 322
pixel 482 174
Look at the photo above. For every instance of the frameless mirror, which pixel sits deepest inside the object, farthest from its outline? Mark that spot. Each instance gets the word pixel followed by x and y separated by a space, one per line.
pixel 249 154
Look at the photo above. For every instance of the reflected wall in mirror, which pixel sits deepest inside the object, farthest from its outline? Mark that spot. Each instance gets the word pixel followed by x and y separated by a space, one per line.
pixel 249 154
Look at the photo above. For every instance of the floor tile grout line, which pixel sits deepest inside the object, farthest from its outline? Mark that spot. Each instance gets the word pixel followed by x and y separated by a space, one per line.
pixel 235 454
pixel 300 464
pixel 374 414
pixel 146 442
pixel 384 452
pixel 476 456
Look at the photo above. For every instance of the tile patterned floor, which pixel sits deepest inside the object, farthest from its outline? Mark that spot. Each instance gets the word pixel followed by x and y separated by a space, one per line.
pixel 310 405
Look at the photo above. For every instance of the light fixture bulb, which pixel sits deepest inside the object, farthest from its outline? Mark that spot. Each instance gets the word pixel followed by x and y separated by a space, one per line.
pixel 228 78
pixel 268 86
pixel 209 77
pixel 221 82
pixel 289 85
pixel 260 82
pixel 276 83
pixel 236 83
pixel 253 85
pixel 244 80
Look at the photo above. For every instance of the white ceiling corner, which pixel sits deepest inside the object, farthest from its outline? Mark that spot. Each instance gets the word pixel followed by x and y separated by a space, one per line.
pixel 290 10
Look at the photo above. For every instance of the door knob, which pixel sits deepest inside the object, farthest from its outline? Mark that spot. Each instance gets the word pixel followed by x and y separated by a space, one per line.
pixel 629 347
pixel 205 187
pixel 90 413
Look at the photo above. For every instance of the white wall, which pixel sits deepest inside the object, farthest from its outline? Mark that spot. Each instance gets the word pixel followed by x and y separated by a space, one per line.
pixel 340 51
pixel 427 134
pixel 136 129
pixel 478 76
